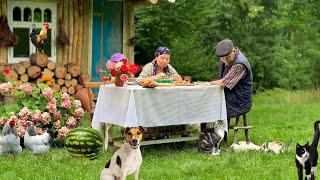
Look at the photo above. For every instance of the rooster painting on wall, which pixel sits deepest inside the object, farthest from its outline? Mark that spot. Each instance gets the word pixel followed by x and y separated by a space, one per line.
pixel 40 40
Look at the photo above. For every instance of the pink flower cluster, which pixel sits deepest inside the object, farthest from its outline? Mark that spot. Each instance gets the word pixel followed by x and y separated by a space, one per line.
pixel 5 88
pixel 27 88
pixel 66 103
pixel 61 113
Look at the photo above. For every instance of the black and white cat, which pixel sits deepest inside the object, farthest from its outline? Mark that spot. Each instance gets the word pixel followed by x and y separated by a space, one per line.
pixel 307 156
pixel 210 138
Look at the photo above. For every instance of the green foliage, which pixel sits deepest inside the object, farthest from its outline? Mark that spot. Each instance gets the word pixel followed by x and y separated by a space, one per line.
pixel 279 38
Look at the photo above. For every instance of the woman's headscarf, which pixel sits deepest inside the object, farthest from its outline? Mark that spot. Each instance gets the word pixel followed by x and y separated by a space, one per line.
pixel 161 50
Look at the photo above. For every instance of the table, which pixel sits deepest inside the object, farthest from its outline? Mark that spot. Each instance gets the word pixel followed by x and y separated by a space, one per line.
pixel 132 106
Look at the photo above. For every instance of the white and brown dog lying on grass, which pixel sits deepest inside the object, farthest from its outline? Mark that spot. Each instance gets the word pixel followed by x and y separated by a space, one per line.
pixel 126 160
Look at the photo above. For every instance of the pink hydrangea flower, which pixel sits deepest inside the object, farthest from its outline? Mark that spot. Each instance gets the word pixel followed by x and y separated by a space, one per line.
pixel 51 107
pixel 5 88
pixel 57 116
pixel 65 96
pixel 36 116
pixel 22 123
pixel 46 118
pixel 77 103
pixel 72 122
pixel 21 130
pixel 27 88
pixel 1 122
pixel 62 133
pixel 48 93
pixel 57 124
pixel 79 112
pixel 124 77
pixel 25 113
pixel 66 104
pixel 38 131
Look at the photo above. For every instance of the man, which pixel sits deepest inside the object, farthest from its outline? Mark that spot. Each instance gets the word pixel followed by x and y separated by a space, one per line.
pixel 235 77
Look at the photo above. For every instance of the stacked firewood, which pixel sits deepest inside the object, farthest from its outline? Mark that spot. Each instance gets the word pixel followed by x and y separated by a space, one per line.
pixel 42 70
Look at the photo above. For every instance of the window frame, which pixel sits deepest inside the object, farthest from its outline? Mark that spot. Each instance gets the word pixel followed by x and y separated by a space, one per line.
pixel 52 6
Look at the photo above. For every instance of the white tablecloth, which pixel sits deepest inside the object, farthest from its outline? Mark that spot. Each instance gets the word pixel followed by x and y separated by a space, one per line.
pixel 132 106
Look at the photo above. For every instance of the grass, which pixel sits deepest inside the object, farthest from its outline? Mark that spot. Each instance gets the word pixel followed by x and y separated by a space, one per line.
pixel 276 115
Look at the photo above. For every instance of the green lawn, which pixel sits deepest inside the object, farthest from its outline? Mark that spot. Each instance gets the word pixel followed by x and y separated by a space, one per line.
pixel 276 115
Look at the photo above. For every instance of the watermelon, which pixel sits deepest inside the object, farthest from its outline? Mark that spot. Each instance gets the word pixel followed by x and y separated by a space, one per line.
pixel 84 142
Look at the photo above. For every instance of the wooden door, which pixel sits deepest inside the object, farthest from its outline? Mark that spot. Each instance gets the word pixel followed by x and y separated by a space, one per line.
pixel 107 33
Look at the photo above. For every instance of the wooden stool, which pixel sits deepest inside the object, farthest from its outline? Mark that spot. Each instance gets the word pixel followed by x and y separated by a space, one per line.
pixel 236 127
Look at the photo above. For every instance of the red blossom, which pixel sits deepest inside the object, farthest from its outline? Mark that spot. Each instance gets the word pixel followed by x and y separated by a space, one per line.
pixel 113 72
pixel 5 70
pixel 105 79
pixel 133 68
pixel 124 68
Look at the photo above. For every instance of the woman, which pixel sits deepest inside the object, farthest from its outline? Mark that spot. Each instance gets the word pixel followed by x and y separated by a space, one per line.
pixel 160 66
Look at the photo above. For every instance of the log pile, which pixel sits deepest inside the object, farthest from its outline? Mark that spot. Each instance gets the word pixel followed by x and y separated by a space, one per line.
pixel 42 70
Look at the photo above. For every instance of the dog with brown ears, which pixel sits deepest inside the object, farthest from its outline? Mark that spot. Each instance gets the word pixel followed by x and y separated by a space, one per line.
pixel 126 160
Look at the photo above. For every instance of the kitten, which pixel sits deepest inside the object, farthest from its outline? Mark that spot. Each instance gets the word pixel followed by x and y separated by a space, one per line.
pixel 307 156
pixel 209 139
pixel 274 146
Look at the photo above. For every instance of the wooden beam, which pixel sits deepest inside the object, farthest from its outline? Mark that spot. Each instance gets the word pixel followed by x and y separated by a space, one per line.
pixel 128 31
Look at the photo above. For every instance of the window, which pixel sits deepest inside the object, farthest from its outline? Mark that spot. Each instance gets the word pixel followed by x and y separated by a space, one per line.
pixel 23 16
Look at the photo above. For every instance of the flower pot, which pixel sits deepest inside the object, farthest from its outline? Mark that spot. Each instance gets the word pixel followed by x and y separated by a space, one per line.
pixel 118 82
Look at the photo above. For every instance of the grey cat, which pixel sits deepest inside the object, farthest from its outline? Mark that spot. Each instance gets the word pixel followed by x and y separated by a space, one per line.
pixel 210 138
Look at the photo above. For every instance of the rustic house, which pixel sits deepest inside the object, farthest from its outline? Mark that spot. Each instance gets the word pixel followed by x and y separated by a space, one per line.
pixel 95 29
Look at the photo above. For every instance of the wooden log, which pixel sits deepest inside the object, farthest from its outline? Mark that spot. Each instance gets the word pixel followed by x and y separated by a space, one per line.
pixel 73 69
pixel 25 64
pixel 83 78
pixel 63 89
pixel 34 71
pixel 71 90
pixel 51 65
pixel 67 83
pixel 18 83
pixel 74 82
pixel 12 75
pixel 60 72
pixel 24 78
pixel 60 82
pixel 47 72
pixel 39 59
pixel 55 87
pixel 19 68
pixel 68 76
pixel 39 80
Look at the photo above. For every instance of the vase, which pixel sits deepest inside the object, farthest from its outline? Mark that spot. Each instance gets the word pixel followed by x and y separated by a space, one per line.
pixel 118 82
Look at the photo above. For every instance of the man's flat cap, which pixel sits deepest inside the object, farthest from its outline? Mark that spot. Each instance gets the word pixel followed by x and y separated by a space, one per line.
pixel 224 47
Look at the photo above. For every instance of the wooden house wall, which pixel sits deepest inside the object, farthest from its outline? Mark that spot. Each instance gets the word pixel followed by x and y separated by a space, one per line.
pixel 3 49
pixel 76 16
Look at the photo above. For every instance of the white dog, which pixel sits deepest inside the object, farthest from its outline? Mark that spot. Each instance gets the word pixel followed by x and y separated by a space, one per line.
pixel 127 159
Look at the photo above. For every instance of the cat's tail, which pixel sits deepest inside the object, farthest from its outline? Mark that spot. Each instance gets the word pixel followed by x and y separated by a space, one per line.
pixel 315 140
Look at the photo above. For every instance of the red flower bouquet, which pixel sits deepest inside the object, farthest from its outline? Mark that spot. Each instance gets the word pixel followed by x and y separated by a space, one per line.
pixel 118 67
